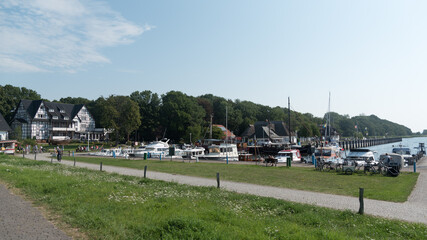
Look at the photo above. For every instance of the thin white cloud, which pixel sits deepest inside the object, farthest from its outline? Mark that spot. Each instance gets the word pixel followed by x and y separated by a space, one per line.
pixel 12 65
pixel 59 35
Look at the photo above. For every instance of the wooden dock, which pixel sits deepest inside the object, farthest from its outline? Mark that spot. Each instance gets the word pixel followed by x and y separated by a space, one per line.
pixel 354 144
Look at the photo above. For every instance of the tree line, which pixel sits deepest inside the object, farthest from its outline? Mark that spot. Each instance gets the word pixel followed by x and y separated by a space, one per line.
pixel 146 116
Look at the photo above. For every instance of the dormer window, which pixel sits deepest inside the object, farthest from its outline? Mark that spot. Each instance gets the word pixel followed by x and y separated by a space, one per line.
pixel 55 117
pixel 66 118
pixel 62 111
pixel 51 110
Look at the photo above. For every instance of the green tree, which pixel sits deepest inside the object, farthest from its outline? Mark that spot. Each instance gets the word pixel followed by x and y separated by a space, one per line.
pixel 149 108
pixel 178 113
pixel 122 115
pixel 75 100
pixel 10 97
pixel 217 133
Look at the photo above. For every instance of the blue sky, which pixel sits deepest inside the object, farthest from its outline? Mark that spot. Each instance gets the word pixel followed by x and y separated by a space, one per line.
pixel 371 55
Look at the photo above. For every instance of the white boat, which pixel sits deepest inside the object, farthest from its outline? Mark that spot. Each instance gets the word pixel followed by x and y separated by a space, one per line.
pixel 361 156
pixel 113 152
pixel 331 154
pixel 193 153
pixel 222 152
pixel 154 149
pixel 405 152
pixel 284 155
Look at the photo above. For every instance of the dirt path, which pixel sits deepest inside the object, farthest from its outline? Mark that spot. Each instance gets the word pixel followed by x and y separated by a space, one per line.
pixel 20 220
pixel 414 210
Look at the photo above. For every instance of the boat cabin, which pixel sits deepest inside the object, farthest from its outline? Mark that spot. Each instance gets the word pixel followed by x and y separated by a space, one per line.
pixel 293 154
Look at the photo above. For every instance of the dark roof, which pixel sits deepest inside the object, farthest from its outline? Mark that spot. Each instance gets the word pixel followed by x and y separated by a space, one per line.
pixel 61 110
pixel 31 106
pixel 264 129
pixel 280 128
pixel 3 125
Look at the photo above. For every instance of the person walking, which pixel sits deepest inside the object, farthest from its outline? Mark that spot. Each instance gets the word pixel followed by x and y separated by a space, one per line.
pixel 59 153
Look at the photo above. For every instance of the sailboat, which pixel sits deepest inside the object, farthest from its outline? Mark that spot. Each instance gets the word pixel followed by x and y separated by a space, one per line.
pixel 330 151
pixel 225 151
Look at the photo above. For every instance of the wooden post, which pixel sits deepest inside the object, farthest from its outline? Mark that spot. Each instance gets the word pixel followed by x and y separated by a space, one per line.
pixel 100 167
pixel 145 171
pixel 362 206
pixel 217 179
pixel 23 154
pixel 74 161
pixel 35 155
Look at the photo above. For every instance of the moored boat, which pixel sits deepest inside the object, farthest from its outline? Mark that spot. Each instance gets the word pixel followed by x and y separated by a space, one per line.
pixel 330 153
pixel 361 157
pixel 193 153
pixel 222 152
pixel 154 149
pixel 293 154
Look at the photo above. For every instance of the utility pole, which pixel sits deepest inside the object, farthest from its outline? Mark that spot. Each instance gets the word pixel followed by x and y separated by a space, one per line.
pixel 210 127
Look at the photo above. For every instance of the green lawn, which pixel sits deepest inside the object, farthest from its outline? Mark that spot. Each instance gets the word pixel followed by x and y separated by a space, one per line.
pixel 378 187
pixel 111 206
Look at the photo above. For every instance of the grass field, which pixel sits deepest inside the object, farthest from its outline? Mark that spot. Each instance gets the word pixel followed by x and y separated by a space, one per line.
pixel 110 206
pixel 376 186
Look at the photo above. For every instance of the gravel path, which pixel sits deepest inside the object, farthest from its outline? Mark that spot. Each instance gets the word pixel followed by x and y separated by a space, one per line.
pixel 20 220
pixel 414 210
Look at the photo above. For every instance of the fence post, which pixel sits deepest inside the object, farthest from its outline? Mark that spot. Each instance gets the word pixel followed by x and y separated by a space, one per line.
pixel 100 167
pixel 217 179
pixel 415 166
pixel 362 206
pixel 35 155
pixel 145 171
pixel 23 154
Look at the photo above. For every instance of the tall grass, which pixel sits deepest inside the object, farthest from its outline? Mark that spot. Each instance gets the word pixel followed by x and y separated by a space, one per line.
pixel 111 206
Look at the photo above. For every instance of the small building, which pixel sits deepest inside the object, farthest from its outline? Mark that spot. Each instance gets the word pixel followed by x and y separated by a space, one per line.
pixel 227 133
pixel 51 121
pixel 6 145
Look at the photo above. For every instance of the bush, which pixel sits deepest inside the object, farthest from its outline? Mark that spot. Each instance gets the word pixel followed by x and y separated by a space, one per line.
pixel 29 141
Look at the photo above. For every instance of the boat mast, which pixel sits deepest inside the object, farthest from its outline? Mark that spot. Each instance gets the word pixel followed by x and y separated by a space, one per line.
pixel 328 120
pixel 289 120
pixel 226 133
pixel 329 117
pixel 210 127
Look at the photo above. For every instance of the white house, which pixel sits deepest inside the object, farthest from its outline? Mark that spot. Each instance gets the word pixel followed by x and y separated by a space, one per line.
pixel 44 120
pixel 4 129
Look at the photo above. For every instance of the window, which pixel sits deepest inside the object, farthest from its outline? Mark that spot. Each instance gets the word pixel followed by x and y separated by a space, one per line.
pixel 55 117
pixel 66 118
pixel 62 111
pixel 51 110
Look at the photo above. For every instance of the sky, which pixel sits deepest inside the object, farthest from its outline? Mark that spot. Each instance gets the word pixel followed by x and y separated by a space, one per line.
pixel 370 55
